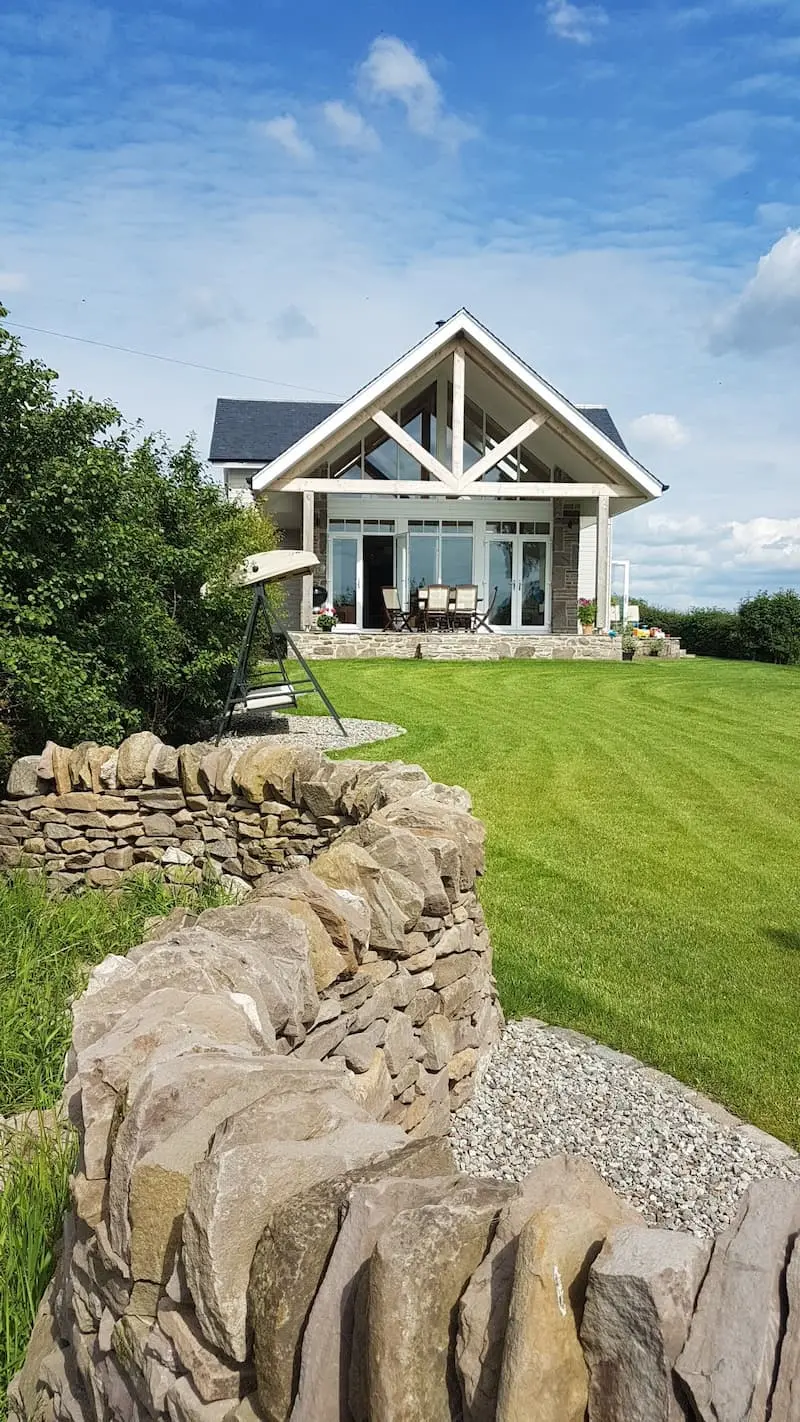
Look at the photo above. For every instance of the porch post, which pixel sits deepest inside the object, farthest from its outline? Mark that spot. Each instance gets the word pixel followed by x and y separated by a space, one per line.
pixel 457 460
pixel 441 417
pixel 307 596
pixel 603 583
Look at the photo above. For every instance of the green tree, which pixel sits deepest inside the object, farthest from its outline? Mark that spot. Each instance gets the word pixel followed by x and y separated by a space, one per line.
pixel 107 538
pixel 769 626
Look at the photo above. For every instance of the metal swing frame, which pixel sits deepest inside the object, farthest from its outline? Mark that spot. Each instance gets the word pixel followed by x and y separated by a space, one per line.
pixel 281 691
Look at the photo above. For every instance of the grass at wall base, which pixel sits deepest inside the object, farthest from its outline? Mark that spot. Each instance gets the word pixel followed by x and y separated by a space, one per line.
pixel 47 947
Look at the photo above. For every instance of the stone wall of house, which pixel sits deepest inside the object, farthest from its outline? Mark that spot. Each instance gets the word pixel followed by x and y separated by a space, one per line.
pixel 458 646
pixel 566 545
pixel 93 814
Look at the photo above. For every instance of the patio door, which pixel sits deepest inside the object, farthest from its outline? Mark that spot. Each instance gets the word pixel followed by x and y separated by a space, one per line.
pixel 517 566
pixel 345 577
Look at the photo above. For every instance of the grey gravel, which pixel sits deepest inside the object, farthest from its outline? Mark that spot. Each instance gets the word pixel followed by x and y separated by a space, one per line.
pixel 680 1159
pixel 319 732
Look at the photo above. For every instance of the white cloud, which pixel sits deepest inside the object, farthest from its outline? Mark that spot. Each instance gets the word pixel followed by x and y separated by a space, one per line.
pixel 12 281
pixel 766 314
pixel 766 543
pixel 349 128
pixel 286 132
pixel 664 431
pixel 578 23
pixel 392 70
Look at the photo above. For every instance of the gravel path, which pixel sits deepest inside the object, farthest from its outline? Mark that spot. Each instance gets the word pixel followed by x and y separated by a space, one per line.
pixel 321 732
pixel 681 1159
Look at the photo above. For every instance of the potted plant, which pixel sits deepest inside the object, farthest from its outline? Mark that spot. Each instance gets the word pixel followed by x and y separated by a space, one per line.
pixel 628 646
pixel 587 614
pixel 326 617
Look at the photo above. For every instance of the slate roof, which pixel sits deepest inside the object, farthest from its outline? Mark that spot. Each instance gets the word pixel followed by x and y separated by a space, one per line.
pixel 250 431
pixel 599 416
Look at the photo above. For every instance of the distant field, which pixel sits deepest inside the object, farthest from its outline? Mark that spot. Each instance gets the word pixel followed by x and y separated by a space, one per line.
pixel 643 876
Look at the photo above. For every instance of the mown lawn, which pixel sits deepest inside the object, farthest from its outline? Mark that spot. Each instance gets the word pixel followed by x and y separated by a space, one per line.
pixel 643 878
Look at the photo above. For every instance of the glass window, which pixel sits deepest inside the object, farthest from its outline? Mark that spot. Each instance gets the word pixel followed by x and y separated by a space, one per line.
pixel 345 525
pixel 379 525
pixel 347 466
pixel 542 528
pixel 344 561
pixel 456 560
pixel 537 527
pixel 422 561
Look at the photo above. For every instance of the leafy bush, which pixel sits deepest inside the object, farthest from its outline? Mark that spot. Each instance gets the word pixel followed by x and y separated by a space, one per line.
pixel 766 628
pixel 769 627
pixel 107 540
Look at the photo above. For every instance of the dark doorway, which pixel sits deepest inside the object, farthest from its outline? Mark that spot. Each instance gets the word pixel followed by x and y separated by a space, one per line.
pixel 378 573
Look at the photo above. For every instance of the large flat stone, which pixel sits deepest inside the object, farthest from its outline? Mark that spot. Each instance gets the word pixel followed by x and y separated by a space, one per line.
pixel 639 1303
pixel 291 1259
pixel 168 1022
pixel 250 1169
pixel 728 1363
pixel 192 960
pixel 404 852
pixel 418 1270
pixel 426 818
pixel 544 1377
pixel 323 1383
pixel 133 757
pixel 166 1130
pixel 213 1376
pixel 344 916
pixel 483 1311
pixel 348 866
pixel 786 1397
pixel 265 771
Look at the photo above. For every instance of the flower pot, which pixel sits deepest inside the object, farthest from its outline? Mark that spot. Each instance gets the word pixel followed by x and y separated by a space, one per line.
pixel 628 656
pixel 587 628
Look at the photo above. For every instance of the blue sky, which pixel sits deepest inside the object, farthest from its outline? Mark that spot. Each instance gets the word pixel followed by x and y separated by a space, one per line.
pixel 298 191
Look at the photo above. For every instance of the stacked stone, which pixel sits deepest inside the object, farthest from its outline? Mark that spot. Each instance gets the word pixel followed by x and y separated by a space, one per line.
pixel 460 646
pixel 92 815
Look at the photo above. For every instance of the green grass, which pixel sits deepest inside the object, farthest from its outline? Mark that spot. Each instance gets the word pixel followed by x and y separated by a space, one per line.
pixel 643 880
pixel 33 1198
pixel 47 947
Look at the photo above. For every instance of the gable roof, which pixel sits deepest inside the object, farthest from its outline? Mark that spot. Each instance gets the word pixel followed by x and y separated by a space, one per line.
pixel 257 431
pixel 432 349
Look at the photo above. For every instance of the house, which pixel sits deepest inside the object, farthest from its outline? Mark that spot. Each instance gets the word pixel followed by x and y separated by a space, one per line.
pixel 457 464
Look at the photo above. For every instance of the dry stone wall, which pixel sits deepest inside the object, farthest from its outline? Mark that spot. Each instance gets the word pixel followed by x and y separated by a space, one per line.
pixel 91 815
pixel 267 1224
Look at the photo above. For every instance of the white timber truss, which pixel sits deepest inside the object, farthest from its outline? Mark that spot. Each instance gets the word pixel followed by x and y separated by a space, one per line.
pixel 445 351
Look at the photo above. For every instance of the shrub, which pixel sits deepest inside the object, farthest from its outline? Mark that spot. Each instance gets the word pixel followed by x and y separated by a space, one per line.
pixel 108 538
pixel 769 627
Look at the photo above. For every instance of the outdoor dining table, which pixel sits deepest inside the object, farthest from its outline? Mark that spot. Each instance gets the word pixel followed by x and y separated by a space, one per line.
pixel 420 597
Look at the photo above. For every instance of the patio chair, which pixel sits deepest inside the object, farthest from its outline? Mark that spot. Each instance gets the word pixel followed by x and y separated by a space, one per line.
pixel 482 618
pixel 395 619
pixel 464 607
pixel 437 607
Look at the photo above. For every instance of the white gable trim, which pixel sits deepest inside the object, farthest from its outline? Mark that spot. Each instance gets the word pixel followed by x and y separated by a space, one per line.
pixel 428 353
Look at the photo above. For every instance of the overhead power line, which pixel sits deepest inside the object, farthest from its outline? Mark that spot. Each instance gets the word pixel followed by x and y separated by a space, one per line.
pixel 171 360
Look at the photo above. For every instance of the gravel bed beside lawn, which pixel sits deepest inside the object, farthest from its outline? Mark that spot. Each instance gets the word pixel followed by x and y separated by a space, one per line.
pixel 682 1160
pixel 319 732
